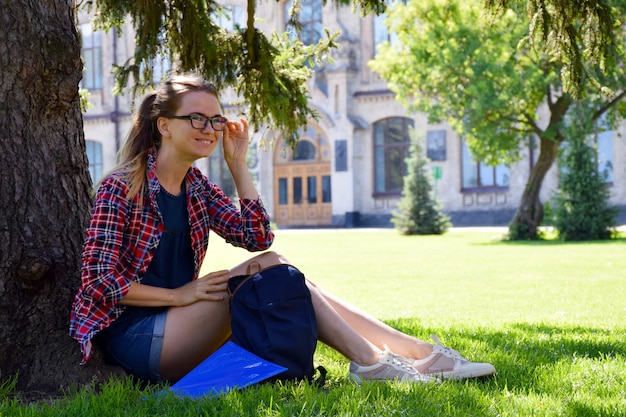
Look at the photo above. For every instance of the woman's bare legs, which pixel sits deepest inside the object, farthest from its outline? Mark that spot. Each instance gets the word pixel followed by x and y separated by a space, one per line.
pixel 333 330
pixel 194 332
pixel 432 362
pixel 374 330
pixel 344 327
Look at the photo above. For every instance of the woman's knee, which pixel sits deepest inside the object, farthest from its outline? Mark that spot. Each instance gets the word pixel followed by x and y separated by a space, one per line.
pixel 258 262
pixel 273 258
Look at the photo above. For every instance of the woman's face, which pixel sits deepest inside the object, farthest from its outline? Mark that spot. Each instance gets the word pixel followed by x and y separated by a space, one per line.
pixel 179 135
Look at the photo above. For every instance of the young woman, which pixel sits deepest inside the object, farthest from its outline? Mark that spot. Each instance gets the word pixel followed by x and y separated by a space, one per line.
pixel 141 296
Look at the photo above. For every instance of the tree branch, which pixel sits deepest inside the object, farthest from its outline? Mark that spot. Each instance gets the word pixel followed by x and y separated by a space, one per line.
pixel 608 105
pixel 530 121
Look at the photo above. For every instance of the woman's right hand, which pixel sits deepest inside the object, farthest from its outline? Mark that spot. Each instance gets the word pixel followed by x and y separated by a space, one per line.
pixel 210 287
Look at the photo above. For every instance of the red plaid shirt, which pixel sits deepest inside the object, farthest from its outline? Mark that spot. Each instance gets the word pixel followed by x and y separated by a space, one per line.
pixel 123 234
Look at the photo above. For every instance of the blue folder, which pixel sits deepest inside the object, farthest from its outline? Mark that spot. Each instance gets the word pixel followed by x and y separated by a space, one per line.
pixel 230 367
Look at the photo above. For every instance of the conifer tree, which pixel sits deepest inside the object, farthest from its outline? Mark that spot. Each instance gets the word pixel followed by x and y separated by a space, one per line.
pixel 582 209
pixel 419 210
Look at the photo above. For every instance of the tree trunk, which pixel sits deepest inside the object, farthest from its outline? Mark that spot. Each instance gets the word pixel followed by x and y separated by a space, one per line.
pixel 44 195
pixel 529 213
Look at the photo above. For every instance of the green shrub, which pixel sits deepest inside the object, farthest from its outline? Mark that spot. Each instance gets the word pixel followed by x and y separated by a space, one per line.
pixel 582 211
pixel 419 211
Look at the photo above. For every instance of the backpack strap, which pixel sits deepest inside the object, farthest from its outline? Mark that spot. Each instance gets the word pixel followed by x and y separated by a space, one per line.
pixel 320 380
pixel 249 275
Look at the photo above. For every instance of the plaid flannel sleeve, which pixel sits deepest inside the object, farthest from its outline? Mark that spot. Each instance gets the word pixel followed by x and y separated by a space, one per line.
pixel 247 227
pixel 103 246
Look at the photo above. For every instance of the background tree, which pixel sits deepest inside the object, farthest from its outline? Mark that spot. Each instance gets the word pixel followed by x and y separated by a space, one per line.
pixel 582 211
pixel 419 211
pixel 483 76
pixel 45 183
pixel 576 32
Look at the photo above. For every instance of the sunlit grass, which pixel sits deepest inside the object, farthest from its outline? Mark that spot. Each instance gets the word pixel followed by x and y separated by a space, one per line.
pixel 461 277
pixel 550 316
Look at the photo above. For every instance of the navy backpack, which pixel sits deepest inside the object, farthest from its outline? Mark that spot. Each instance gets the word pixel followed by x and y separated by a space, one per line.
pixel 272 316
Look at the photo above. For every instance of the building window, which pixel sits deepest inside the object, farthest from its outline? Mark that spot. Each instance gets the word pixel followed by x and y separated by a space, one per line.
pixel 381 32
pixel 161 68
pixel 231 17
pixel 310 19
pixel 297 190
pixel 92 58
pixel 602 142
pixel 219 173
pixel 604 148
pixel 391 147
pixel 312 189
pixel 478 175
pixel 326 194
pixel 436 145
pixel 282 192
pixel 94 156
pixel 305 151
pixel 312 146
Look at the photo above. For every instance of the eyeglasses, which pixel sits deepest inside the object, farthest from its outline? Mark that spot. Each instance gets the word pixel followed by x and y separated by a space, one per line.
pixel 200 121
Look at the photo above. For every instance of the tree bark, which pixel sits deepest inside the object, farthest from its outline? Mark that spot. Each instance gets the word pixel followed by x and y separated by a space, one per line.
pixel 529 214
pixel 44 195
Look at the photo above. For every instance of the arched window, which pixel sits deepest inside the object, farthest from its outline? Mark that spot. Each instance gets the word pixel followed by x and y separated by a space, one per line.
pixel 391 147
pixel 312 146
pixel 305 151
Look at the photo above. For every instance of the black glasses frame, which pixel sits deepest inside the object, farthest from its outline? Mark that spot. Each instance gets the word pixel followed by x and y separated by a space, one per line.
pixel 200 121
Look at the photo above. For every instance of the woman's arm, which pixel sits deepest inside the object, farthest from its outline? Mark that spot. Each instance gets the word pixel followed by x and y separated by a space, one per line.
pixel 249 225
pixel 211 287
pixel 235 145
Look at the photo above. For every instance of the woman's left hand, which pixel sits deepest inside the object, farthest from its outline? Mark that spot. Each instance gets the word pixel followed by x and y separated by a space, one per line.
pixel 235 141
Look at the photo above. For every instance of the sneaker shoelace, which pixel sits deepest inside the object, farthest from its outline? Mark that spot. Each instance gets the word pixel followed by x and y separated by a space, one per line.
pixel 449 352
pixel 399 361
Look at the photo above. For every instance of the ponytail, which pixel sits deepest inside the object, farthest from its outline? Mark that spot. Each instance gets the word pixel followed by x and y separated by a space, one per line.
pixel 144 134
pixel 142 137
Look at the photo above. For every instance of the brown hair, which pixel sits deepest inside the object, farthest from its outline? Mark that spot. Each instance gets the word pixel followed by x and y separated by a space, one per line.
pixel 144 134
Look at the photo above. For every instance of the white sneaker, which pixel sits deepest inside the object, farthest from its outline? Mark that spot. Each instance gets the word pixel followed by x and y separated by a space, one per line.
pixel 390 366
pixel 446 363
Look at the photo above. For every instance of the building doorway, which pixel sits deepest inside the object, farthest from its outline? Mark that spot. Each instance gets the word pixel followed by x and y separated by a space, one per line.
pixel 302 181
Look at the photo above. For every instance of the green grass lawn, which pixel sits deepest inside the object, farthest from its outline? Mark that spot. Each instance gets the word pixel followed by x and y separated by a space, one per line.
pixel 550 316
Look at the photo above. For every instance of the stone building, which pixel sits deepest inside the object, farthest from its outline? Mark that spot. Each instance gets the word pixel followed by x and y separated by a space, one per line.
pixel 348 166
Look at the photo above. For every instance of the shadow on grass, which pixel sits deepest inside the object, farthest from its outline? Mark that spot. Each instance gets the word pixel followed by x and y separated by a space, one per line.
pixel 621 239
pixel 543 369
pixel 520 351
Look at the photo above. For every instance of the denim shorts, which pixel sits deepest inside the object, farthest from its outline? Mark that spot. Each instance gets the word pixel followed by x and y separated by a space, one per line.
pixel 137 348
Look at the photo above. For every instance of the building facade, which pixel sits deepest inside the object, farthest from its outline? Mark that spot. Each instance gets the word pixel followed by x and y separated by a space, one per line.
pixel 348 166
